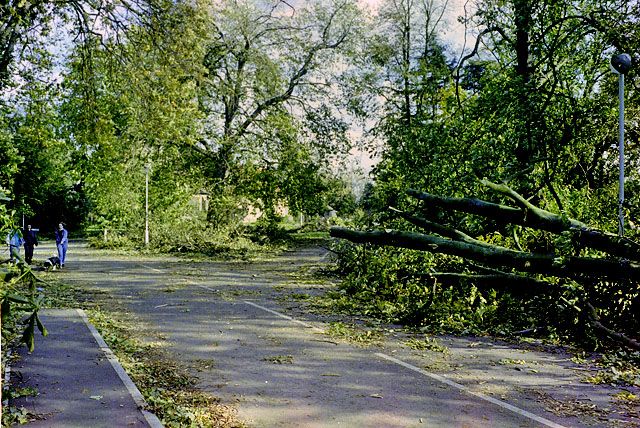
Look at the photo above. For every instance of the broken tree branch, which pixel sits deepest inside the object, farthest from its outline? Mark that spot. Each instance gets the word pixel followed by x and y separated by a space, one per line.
pixel 537 218
pixel 572 267
pixel 594 320
pixel 509 281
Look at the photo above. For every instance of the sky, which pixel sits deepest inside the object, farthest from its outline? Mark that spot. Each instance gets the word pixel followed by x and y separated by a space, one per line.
pixel 452 34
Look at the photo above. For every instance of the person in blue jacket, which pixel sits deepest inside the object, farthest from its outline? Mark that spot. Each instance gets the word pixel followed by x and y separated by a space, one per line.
pixel 14 239
pixel 62 242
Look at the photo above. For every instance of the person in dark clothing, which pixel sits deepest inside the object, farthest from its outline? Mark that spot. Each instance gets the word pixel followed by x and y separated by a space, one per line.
pixel 30 241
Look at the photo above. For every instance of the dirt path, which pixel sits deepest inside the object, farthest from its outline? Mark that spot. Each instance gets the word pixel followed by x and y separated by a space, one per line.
pixel 241 329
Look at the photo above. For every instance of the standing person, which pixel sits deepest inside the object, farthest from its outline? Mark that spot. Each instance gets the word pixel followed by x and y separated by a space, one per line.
pixel 15 242
pixel 30 240
pixel 62 241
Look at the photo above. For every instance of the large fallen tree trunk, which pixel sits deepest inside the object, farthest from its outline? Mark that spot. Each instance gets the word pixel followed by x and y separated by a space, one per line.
pixel 621 265
pixel 534 217
pixel 570 267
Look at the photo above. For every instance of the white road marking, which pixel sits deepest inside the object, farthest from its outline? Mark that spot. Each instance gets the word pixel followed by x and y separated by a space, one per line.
pixel 463 388
pixel 152 419
pixel 285 316
pixel 433 376
pixel 152 268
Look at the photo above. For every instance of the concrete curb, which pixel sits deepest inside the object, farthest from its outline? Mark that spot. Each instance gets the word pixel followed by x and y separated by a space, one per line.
pixel 151 419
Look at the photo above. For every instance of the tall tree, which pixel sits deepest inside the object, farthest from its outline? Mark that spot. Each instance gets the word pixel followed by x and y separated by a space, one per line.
pixel 22 21
pixel 401 86
pixel 266 59
pixel 135 110
pixel 549 89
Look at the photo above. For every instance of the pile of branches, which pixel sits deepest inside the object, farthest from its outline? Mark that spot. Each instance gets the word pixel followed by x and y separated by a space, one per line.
pixel 616 259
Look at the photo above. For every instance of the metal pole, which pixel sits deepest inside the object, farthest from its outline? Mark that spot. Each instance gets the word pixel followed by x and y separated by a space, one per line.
pixel 146 206
pixel 621 150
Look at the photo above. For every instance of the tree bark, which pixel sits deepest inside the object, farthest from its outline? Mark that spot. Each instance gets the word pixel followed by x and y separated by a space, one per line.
pixel 567 267
pixel 530 216
pixel 594 320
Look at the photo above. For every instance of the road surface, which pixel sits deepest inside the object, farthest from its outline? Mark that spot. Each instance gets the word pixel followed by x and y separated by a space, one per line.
pixel 238 326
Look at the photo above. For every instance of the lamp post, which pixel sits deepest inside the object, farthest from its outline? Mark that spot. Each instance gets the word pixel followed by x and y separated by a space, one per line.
pixel 146 205
pixel 621 64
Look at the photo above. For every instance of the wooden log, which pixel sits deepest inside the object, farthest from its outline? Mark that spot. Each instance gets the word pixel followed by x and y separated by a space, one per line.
pixel 530 216
pixel 569 267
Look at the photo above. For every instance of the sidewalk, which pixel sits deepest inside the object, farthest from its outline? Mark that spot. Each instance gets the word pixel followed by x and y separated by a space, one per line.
pixel 79 381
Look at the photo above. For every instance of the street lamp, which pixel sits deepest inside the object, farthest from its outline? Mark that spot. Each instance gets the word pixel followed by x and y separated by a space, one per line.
pixel 621 64
pixel 146 205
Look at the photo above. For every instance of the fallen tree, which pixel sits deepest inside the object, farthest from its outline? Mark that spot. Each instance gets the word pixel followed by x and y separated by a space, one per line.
pixel 616 259
pixel 531 216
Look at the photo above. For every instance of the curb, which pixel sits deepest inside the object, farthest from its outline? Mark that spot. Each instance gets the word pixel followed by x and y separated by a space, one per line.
pixel 151 419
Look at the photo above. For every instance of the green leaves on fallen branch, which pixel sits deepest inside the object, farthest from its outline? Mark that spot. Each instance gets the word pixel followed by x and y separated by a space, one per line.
pixel 526 214
pixel 28 335
pixel 616 263
pixel 573 267
pixel 16 299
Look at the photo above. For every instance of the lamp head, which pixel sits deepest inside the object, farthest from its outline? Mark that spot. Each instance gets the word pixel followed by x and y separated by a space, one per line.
pixel 621 63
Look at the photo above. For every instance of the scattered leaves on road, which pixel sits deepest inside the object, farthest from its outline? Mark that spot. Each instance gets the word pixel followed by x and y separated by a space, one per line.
pixel 354 334
pixel 279 359
pixel 426 344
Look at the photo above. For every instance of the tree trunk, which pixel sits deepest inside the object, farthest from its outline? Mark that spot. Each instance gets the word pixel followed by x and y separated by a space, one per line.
pixel 531 216
pixel 571 267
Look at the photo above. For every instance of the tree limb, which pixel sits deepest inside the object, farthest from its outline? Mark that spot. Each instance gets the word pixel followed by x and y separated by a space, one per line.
pixel 594 320
pixel 525 284
pixel 570 267
pixel 534 217
pixel 442 230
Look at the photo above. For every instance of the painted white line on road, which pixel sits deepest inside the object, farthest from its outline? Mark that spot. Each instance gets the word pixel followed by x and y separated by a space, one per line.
pixel 278 314
pixel 284 316
pixel 152 419
pixel 463 388
pixel 433 376
pixel 152 268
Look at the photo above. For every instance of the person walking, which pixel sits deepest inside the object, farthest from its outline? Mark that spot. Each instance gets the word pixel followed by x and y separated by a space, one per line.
pixel 14 240
pixel 30 241
pixel 62 241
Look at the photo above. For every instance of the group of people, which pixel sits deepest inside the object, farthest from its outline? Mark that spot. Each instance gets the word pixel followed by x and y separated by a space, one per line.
pixel 29 239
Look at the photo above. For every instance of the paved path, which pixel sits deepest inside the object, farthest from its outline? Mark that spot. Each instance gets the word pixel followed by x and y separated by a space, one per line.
pixel 227 322
pixel 78 384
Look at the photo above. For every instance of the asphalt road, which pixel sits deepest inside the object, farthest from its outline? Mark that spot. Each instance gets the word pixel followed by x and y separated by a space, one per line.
pixel 233 325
